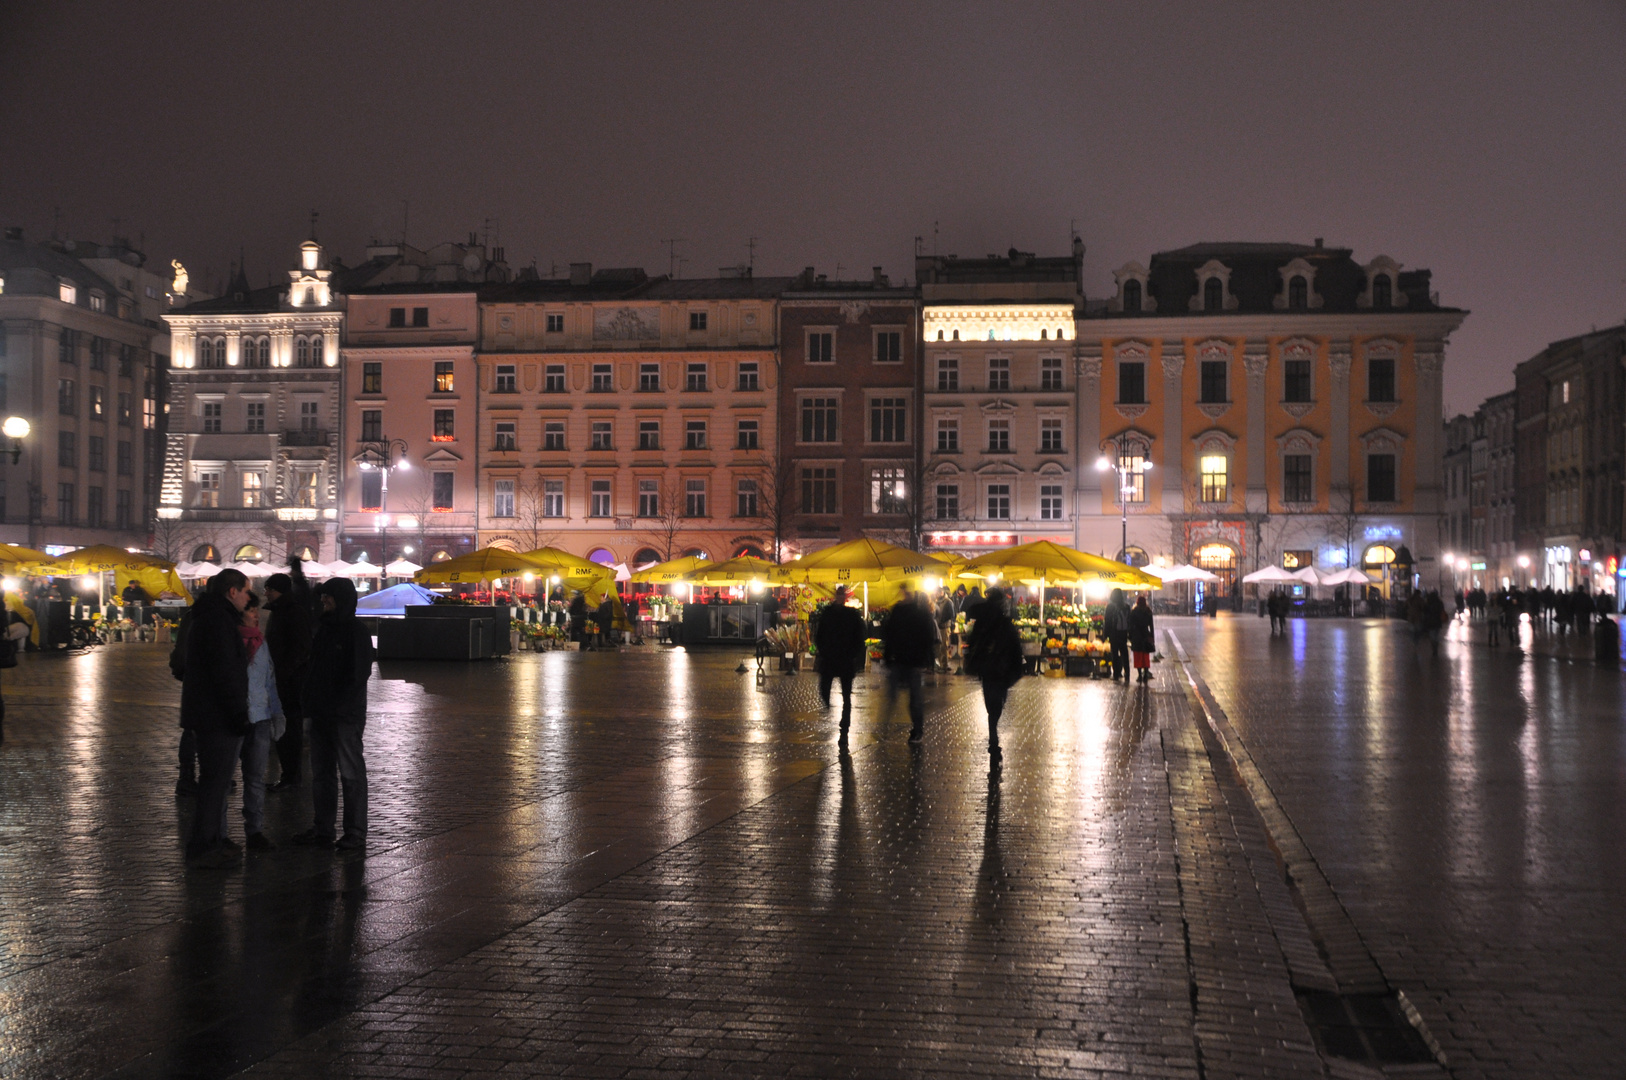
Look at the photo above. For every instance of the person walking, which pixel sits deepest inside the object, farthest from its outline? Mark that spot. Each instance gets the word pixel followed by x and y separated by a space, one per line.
pixel 943 614
pixel 1434 618
pixel 335 698
pixel 840 641
pixel 994 655
pixel 1142 638
pixel 1115 623
pixel 13 635
pixel 1493 620
pixel 578 620
pixel 265 717
pixel 214 709
pixel 286 624
pixel 908 645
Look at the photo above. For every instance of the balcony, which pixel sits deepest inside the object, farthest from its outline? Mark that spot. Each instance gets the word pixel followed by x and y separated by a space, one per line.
pixel 302 437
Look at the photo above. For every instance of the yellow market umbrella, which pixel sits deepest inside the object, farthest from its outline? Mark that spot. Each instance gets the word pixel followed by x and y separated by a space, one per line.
pixel 1043 562
pixel 16 557
pixel 574 572
pixel 155 575
pixel 860 560
pixel 737 571
pixel 669 572
pixel 487 564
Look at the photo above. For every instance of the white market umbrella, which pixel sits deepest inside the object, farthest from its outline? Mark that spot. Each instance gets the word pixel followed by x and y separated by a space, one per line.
pixel 1347 576
pixel 1308 575
pixel 1273 575
pixel 336 568
pixel 316 571
pixel 1182 572
pixel 622 572
pixel 401 568
pixel 364 569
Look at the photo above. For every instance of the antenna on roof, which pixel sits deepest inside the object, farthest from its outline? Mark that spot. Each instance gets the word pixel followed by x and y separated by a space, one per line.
pixel 672 259
pixel 56 220
pixel 751 250
pixel 934 238
pixel 406 209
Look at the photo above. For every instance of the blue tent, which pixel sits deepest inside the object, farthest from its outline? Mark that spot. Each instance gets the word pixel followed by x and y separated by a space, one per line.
pixel 394 600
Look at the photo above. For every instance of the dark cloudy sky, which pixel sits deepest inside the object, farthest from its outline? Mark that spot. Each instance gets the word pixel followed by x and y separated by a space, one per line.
pixel 1485 140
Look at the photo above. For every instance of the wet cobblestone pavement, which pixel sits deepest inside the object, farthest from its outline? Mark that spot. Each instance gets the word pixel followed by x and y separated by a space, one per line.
pixel 644 864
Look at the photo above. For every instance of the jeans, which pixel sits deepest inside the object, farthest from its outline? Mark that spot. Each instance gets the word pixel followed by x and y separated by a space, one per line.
pixel 255 754
pixel 337 748
pixel 826 678
pixel 897 676
pixel 993 699
pixel 291 749
pixel 217 755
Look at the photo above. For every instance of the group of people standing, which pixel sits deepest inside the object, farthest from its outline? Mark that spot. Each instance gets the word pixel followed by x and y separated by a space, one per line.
pixel 252 675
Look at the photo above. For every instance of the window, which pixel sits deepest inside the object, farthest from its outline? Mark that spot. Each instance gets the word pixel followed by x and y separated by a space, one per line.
pixel 68 294
pixel 1131 382
pixel 507 436
pixel 66 401
pixel 1213 295
pixel 262 356
pixel 302 353
pixel 999 373
pixel 67 450
pixel 694 435
pixel 420 316
pixel 1131 476
pixel 444 425
pixel 149 412
pixel 553 435
pixel 1049 502
pixel 748 376
pixel 1132 297
pixel 1296 486
pixel 442 488
pixel 308 417
pixel 887 420
pixel 98 302
pixel 372 425
pixel 211 417
pixel 98 453
pixel 1050 436
pixel 1380 478
pixel 127 357
pixel 1215 478
pixel 696 379
pixel 999 436
pixel 98 401
pixel 553 379
pixel 1382 291
pixel 821 347
pixel 649 434
pixel 98 354
pixel 948 502
pixel 1298 293
pixel 553 497
pixel 122 518
pixel 123 461
pixel 372 378
pixel 65 499
pixel 598 499
pixel 888 347
pixel 745 498
pixel 746 435
pixel 603 378
pixel 397 317
pixel 556 323
pixel 948 373
pixel 253 489
pixel 1050 373
pixel 1380 380
pixel 694 498
pixel 697 320
pixel 124 409
pixel 649 498
pixel 818 420
pixel 999 502
pixel 819 491
pixel 305 488
pixel 601 436
pixel 888 493
pixel 208 489
pixel 948 436
pixel 443 376
pixel 372 489
pixel 649 377
pixel 502 499
pixel 1296 380
pixel 507 381
pixel 93 502
pixel 67 345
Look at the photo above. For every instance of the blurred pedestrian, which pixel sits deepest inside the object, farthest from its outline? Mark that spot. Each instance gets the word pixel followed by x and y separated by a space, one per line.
pixel 840 643
pixel 13 635
pixel 1434 618
pixel 1142 638
pixel 335 699
pixel 994 655
pixel 578 619
pixel 908 645
pixel 943 612
pixel 266 719
pixel 286 624
pixel 214 708
pixel 1115 624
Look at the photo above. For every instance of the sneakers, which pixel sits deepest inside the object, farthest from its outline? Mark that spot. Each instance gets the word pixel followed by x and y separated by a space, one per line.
pixel 352 843
pixel 312 838
pixel 260 842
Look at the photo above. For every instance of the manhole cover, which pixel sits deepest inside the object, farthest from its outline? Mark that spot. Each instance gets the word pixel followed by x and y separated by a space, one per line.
pixel 1369 1028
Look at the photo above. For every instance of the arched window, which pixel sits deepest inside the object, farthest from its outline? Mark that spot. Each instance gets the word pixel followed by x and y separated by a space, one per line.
pixel 940 335
pixel 602 556
pixel 1134 555
pixel 649 556
pixel 1298 293
pixel 1044 335
pixel 206 353
pixel 1132 297
pixel 265 352
pixel 302 351
pixel 249 553
pixel 1213 295
pixel 205 553
pixel 956 335
pixel 698 553
pixel 316 352
pixel 1381 291
pixel 1378 556
pixel 751 550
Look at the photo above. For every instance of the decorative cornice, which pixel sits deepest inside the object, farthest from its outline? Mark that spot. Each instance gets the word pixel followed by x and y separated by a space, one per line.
pixel 1298 439
pixel 1298 410
pixel 1381 409
pixel 1131 412
pixel 1089 367
pixel 1214 409
pixel 1297 349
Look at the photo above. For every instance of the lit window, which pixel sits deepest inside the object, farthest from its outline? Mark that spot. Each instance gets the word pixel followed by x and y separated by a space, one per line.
pixel 67 293
pixel 443 376
pixel 1132 476
pixel 372 378
pixel 1215 478
pixel 887 491
pixel 502 499
pixel 305 488
pixel 253 489
pixel 98 401
pixel 209 489
pixel 444 425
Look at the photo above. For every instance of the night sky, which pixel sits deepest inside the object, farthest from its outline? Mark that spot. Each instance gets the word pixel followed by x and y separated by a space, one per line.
pixel 1486 141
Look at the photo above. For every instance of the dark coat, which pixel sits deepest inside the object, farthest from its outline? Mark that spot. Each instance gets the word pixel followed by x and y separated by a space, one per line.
pixel 909 636
pixel 1142 638
pixel 288 636
pixel 994 649
pixel 840 640
pixel 341 661
pixel 214 688
pixel 1115 620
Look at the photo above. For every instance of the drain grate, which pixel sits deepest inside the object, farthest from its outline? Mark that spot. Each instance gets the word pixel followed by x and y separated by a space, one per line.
pixel 1369 1028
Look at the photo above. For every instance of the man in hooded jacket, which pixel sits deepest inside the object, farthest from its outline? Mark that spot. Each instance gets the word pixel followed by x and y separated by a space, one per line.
pixel 214 709
pixel 334 697
pixel 288 636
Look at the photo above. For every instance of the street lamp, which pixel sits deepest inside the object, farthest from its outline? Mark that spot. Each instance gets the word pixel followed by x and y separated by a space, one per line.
pixel 382 457
pixel 1126 486
pixel 16 429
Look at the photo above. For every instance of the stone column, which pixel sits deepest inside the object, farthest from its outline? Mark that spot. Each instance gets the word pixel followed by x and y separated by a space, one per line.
pixel 1255 358
pixel 330 346
pixel 282 347
pixel 1087 496
pixel 1338 358
pixel 234 346
pixel 1174 437
pixel 1430 360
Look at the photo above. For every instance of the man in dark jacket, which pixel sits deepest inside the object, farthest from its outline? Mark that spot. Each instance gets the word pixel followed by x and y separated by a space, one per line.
pixel 288 636
pixel 841 650
pixel 1115 622
pixel 994 655
pixel 334 697
pixel 214 708
pixel 908 645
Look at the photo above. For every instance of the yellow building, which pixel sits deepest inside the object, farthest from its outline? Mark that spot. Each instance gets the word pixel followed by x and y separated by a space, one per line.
pixel 1266 404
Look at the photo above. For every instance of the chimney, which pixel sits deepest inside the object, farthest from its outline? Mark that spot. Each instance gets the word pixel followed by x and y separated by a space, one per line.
pixel 879 278
pixel 581 273
pixel 496 255
pixel 474 239
pixel 1318 243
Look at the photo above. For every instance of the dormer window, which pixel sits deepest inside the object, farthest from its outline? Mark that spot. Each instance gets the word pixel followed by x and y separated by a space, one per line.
pixel 67 293
pixel 1132 297
pixel 1213 295
pixel 1298 293
pixel 1382 291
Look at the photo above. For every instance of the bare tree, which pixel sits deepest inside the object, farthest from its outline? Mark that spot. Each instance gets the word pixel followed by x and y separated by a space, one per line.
pixel 419 505
pixel 664 526
pixel 1343 519
pixel 530 515
pixel 173 538
pixel 902 500
pixel 777 501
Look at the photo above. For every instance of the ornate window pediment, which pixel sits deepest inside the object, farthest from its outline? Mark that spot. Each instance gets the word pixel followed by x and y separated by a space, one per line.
pixel 441 454
pixel 1134 295
pixel 1052 468
pixel 1216 349
pixel 1131 350
pixel 1288 297
pixel 997 468
pixel 1386 348
pixel 944 469
pixel 1298 441
pixel 1214 441
pixel 1383 440
pixel 1381 267
pixel 1213 270
pixel 998 406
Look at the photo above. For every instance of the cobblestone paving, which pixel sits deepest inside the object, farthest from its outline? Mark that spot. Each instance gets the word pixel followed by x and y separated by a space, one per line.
pixel 643 864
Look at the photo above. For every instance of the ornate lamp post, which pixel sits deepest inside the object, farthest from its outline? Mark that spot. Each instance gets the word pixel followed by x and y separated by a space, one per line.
pixel 16 429
pixel 1126 485
pixel 385 457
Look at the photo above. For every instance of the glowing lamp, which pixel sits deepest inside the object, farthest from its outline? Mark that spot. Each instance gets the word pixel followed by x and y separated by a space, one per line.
pixel 15 427
pixel 1102 465
pixel 9 584
pixel 404 465
pixel 87 583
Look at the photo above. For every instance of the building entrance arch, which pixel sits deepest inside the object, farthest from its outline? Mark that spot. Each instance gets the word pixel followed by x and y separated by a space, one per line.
pixel 1219 559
